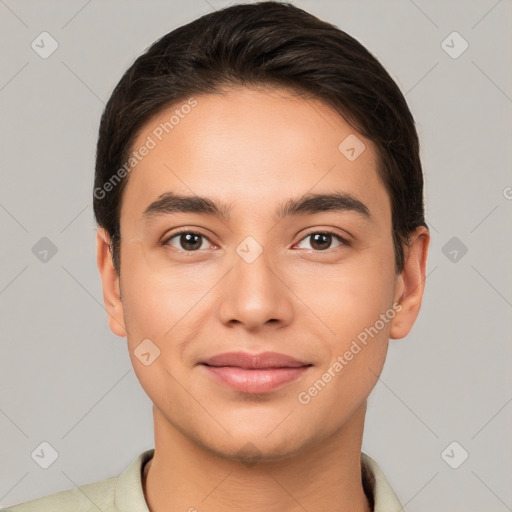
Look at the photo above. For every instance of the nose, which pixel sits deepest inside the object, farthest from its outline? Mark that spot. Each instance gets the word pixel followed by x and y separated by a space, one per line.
pixel 255 295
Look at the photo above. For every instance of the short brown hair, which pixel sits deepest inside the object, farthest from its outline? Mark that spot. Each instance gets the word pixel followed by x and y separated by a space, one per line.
pixel 266 43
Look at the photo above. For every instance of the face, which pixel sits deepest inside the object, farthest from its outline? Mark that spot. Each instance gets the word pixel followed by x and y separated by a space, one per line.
pixel 265 264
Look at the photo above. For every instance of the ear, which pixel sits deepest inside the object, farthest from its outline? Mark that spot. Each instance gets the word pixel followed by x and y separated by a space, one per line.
pixel 411 283
pixel 110 283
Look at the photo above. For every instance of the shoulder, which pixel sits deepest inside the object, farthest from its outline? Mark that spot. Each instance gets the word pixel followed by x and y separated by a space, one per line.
pixel 118 492
pixel 86 498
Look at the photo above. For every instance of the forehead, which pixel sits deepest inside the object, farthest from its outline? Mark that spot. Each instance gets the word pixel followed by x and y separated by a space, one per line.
pixel 251 146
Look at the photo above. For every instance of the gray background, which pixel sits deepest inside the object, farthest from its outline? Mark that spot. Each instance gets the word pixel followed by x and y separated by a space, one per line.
pixel 66 379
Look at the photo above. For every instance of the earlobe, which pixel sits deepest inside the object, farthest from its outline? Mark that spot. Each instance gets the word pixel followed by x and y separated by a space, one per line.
pixel 410 283
pixel 110 284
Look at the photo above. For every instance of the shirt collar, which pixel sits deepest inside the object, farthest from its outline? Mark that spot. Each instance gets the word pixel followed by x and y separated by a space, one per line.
pixel 374 480
pixel 129 495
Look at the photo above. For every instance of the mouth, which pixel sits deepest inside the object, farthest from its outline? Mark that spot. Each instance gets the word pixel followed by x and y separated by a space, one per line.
pixel 254 373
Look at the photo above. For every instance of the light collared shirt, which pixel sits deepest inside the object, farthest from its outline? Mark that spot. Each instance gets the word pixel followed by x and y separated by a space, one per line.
pixel 124 493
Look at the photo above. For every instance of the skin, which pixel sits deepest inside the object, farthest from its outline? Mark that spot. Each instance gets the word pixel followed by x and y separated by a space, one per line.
pixel 253 149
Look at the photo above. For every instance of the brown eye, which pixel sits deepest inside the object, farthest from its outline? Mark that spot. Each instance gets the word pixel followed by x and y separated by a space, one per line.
pixel 187 241
pixel 322 240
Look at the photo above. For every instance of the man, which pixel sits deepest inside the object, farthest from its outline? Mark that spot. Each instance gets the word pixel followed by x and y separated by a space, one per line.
pixel 261 236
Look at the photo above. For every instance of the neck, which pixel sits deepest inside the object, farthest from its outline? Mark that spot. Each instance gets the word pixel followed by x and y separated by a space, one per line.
pixel 184 475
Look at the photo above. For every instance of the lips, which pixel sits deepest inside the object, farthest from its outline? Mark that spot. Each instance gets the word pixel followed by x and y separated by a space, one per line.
pixel 254 373
pixel 254 361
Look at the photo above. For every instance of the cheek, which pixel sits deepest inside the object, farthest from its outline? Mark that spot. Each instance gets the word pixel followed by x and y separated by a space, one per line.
pixel 358 310
pixel 352 296
pixel 156 311
pixel 154 297
pixel 163 305
pixel 151 310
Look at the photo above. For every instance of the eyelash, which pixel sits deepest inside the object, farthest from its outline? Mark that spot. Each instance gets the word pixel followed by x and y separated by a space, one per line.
pixel 326 232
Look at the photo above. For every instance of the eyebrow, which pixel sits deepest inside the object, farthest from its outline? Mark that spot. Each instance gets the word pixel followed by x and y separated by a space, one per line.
pixel 308 204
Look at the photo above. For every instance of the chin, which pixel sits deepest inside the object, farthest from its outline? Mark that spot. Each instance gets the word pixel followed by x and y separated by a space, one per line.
pixel 257 447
